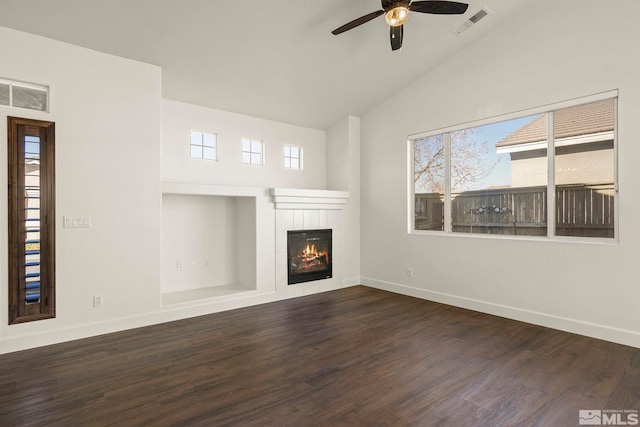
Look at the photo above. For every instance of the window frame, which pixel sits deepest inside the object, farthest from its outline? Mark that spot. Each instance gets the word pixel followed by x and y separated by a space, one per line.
pixel 551 184
pixel 251 152
pixel 19 310
pixel 25 85
pixel 202 145
pixel 290 157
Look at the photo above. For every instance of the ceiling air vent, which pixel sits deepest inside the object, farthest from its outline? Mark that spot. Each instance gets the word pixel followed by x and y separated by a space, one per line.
pixel 473 20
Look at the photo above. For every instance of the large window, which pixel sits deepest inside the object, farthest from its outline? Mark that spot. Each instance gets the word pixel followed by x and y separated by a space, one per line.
pixel 31 204
pixel 549 173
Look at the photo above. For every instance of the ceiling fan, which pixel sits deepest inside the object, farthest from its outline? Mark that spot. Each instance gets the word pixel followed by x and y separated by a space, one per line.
pixel 396 14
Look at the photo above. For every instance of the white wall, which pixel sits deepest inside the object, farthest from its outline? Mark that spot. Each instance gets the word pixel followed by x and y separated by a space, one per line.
pixel 246 243
pixel 343 173
pixel 214 239
pixel 179 119
pixel 200 229
pixel 551 52
pixel 107 112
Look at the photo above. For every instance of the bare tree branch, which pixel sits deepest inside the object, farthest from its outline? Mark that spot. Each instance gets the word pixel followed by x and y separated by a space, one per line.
pixel 469 162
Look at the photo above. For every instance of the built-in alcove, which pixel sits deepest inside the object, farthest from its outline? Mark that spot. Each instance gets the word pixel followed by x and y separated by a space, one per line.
pixel 208 246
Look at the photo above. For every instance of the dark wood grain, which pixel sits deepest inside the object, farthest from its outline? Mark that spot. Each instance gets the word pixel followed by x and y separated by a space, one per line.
pixel 353 357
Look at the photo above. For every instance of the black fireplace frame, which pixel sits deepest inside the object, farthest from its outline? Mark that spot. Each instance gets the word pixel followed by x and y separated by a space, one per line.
pixel 307 235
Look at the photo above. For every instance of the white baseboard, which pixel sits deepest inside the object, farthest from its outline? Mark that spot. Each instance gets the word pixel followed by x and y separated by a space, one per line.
pixel 23 342
pixel 351 281
pixel 580 327
pixel 168 314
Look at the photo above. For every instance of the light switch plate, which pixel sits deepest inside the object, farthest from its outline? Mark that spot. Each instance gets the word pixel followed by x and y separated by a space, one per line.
pixel 76 222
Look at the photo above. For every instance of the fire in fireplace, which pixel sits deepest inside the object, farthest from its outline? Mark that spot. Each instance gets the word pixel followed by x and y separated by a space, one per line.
pixel 309 255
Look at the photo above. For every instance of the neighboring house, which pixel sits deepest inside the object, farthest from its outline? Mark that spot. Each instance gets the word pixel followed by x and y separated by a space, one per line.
pixel 584 147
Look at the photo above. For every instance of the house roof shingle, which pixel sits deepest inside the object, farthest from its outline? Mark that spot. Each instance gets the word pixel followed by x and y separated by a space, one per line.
pixel 583 119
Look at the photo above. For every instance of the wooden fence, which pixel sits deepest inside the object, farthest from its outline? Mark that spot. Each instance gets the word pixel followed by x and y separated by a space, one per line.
pixel 581 210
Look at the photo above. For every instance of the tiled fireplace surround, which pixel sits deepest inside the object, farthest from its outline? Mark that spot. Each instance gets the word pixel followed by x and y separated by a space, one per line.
pixel 298 209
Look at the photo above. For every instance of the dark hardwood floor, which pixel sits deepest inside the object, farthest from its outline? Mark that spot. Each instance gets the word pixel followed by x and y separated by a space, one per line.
pixel 353 357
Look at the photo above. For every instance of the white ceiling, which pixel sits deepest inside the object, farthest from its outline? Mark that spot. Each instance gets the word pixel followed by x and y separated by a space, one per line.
pixel 274 59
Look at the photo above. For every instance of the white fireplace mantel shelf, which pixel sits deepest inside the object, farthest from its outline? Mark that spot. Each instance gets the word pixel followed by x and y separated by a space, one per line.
pixel 297 198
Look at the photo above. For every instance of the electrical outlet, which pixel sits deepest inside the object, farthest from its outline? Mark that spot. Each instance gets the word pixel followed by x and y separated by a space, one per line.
pixel 409 272
pixel 194 265
pixel 180 265
pixel 97 301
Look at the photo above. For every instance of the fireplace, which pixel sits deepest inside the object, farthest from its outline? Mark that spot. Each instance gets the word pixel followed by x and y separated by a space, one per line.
pixel 309 255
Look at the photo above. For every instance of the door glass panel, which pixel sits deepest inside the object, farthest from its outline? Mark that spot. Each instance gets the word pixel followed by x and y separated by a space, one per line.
pixel 32 219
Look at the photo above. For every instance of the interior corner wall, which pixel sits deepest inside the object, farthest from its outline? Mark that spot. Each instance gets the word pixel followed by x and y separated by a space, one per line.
pixel 338 155
pixel 107 112
pixel 549 52
pixel 343 173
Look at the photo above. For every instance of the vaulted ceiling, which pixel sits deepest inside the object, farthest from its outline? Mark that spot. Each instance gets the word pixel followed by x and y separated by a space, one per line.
pixel 274 59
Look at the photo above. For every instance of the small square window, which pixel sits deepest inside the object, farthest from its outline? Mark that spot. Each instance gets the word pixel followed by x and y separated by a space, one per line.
pixel 292 157
pixel 252 152
pixel 204 145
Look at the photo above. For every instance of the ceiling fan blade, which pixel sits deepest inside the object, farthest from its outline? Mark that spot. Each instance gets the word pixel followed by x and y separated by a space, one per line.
pixel 439 7
pixel 356 22
pixel 395 35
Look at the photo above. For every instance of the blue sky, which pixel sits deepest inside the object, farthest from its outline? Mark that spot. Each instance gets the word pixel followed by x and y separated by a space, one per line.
pixel 492 134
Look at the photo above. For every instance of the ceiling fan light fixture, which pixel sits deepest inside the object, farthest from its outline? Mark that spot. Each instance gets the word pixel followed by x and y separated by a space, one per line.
pixel 396 13
pixel 397 16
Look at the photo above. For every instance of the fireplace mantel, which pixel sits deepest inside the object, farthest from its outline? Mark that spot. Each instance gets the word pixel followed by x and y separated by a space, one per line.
pixel 296 198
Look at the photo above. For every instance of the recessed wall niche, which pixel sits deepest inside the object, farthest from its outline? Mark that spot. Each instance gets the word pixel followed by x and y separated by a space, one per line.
pixel 208 246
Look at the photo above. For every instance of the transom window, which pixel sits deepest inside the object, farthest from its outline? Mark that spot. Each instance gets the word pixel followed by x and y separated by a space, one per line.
pixel 24 95
pixel 549 173
pixel 292 157
pixel 252 152
pixel 204 145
